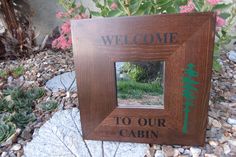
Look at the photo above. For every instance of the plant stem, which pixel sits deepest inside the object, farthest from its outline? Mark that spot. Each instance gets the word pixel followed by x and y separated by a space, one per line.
pixel 125 6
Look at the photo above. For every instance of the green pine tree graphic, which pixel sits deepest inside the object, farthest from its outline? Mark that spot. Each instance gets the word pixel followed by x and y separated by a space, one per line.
pixel 188 92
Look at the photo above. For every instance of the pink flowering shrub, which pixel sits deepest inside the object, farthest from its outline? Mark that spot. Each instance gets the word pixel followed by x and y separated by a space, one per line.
pixel 213 2
pixel 190 7
pixel 64 41
pixel 207 5
pixel 115 8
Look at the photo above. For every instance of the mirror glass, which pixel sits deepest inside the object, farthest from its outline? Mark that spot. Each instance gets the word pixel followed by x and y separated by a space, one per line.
pixel 140 84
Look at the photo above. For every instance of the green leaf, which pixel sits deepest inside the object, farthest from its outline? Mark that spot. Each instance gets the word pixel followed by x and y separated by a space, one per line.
pixel 171 10
pixel 49 106
pixel 22 119
pixel 105 12
pixel 98 5
pixel 144 9
pixel 181 2
pixel 109 2
pixel 134 6
pixel 6 130
pixel 35 93
pixel 3 74
pixel 161 3
pixel 16 72
pixel 115 13
pixel 216 66
pixel 95 13
pixel 225 15
pixel 198 4
pixel 221 6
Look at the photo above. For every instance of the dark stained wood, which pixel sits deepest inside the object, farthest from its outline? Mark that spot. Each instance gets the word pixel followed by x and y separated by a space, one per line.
pixel 97 85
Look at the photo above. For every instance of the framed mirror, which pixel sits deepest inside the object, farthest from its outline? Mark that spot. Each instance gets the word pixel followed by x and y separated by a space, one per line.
pixel 140 84
pixel 144 79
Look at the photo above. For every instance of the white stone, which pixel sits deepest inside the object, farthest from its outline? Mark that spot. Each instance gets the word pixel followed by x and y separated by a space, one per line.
pixel 213 143
pixel 181 150
pixel 168 151
pixel 231 121
pixel 232 56
pixel 64 81
pixel 195 151
pixel 4 154
pixel 159 153
pixel 226 148
pixel 16 147
pixel 224 139
pixel 216 123
pixel 176 152
pixel 156 146
pixel 210 155
pixel 186 152
pixel 62 136
pixel 232 142
pixel 10 79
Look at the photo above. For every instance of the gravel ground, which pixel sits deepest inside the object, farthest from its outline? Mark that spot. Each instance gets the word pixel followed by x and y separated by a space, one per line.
pixel 221 130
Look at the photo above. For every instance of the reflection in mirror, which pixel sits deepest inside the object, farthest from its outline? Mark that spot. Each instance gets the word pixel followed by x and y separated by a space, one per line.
pixel 140 84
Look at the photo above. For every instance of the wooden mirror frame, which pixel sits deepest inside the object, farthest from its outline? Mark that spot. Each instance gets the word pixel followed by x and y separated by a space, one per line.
pixel 191 42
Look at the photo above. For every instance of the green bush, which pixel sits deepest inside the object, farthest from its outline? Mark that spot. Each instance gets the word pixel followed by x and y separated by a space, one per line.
pixel 49 106
pixel 135 72
pixel 22 119
pixel 132 89
pixel 16 72
pixel 16 109
pixel 6 130
pixel 3 74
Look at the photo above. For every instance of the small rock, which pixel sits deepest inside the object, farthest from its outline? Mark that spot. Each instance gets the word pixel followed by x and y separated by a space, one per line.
pixel 210 155
pixel 157 147
pixel 213 143
pixel 26 133
pixel 233 98
pixel 216 123
pixel 4 154
pixel 231 121
pixel 74 95
pixel 11 154
pixel 21 141
pixel 219 151
pixel 9 79
pixel 16 147
pixel 159 153
pixel 168 151
pixel 21 78
pixel 187 152
pixel 38 75
pixel 195 151
pixel 181 150
pixel 232 56
pixel 224 139
pixel 208 149
pixel 151 152
pixel 232 142
pixel 176 152
pixel 226 148
pixel 20 153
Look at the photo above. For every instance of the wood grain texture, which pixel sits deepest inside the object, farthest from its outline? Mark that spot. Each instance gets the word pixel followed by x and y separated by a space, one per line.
pixel 95 70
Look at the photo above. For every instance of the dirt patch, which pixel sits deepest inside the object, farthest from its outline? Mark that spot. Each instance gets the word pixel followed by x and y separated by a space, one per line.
pixel 145 101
